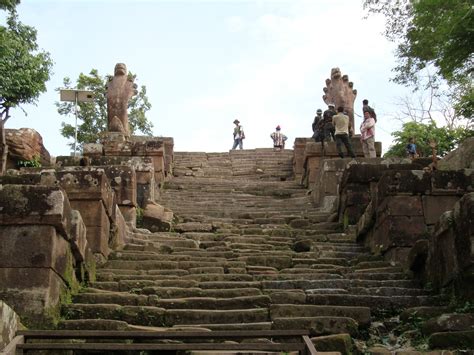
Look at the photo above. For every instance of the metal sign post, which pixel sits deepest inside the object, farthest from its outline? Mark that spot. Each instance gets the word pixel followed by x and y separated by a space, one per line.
pixel 76 96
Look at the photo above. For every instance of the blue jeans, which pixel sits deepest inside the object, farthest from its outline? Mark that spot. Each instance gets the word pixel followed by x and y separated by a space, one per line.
pixel 238 142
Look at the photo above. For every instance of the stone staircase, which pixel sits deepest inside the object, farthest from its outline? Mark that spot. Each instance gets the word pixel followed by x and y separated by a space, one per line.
pixel 248 252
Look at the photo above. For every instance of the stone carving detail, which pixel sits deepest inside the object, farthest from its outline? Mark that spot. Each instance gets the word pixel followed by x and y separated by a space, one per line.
pixel 120 90
pixel 339 91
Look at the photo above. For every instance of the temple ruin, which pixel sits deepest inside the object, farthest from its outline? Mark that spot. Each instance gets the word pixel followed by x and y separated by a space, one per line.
pixel 135 247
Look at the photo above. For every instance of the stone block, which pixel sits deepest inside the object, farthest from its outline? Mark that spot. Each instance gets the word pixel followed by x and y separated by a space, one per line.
pixel 435 206
pixel 36 247
pixel 398 231
pixel 399 206
pixel 129 215
pixel 146 185
pixel 460 158
pixel 78 236
pixel 34 293
pixel 337 342
pixel 67 160
pixel 9 324
pixel 404 182
pixel 452 340
pixel 93 149
pixel 451 245
pixel 82 184
pixel 452 182
pixel 97 223
pixel 23 179
pixel 148 147
pixel 449 322
pixel 118 235
pixel 117 148
pixel 35 205
pixel 124 183
pixel 168 144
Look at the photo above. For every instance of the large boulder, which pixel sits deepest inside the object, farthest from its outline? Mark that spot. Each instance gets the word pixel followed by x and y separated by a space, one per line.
pixel 25 144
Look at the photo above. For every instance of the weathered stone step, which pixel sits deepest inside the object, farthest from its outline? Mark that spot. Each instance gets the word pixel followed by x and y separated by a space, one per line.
pixel 332 283
pixel 313 276
pixel 286 296
pixel 115 277
pixel 120 298
pixel 93 324
pixel 160 317
pixel 388 291
pixel 360 314
pixel 229 285
pixel 166 272
pixel 169 265
pixel 241 302
pixel 372 301
pixel 140 315
pixel 318 325
pixel 209 316
pixel 325 261
pixel 377 276
pixel 218 277
pixel 180 292
pixel 231 326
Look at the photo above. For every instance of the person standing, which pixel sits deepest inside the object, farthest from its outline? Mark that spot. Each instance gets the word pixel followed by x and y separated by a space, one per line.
pixel 328 124
pixel 239 135
pixel 367 135
pixel 342 128
pixel 411 149
pixel 367 108
pixel 317 126
pixel 278 138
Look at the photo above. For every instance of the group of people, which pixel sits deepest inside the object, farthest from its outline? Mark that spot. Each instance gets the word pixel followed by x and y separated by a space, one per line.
pixel 334 125
pixel 278 137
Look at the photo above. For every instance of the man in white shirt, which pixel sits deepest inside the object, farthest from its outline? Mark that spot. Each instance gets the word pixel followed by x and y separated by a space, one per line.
pixel 342 127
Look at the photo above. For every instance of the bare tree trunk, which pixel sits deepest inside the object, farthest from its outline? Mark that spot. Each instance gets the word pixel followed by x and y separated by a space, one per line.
pixel 3 148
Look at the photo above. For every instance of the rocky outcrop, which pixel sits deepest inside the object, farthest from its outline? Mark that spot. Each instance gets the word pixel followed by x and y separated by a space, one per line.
pixel 25 144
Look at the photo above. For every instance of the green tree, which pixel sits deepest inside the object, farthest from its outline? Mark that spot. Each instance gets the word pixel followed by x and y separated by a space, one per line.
pixel 446 138
pixel 94 115
pixel 24 69
pixel 432 33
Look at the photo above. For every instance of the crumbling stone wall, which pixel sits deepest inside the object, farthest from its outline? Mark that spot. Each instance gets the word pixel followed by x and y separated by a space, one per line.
pixel 54 225
pixel 43 251
pixel 446 258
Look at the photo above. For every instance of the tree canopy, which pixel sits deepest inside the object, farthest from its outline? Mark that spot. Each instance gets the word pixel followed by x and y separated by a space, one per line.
pixel 94 115
pixel 24 69
pixel 423 133
pixel 432 33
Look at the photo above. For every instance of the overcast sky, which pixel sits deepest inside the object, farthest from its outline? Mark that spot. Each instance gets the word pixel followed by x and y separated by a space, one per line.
pixel 205 63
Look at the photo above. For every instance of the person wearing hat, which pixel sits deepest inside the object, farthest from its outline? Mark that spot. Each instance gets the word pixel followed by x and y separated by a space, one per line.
pixel 328 127
pixel 367 108
pixel 318 126
pixel 278 138
pixel 239 135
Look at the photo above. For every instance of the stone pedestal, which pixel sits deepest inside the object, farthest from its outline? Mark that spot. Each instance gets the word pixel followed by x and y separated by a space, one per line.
pixel 90 193
pixel 314 153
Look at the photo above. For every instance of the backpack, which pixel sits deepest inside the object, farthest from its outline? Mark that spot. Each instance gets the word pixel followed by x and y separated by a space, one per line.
pixel 242 133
